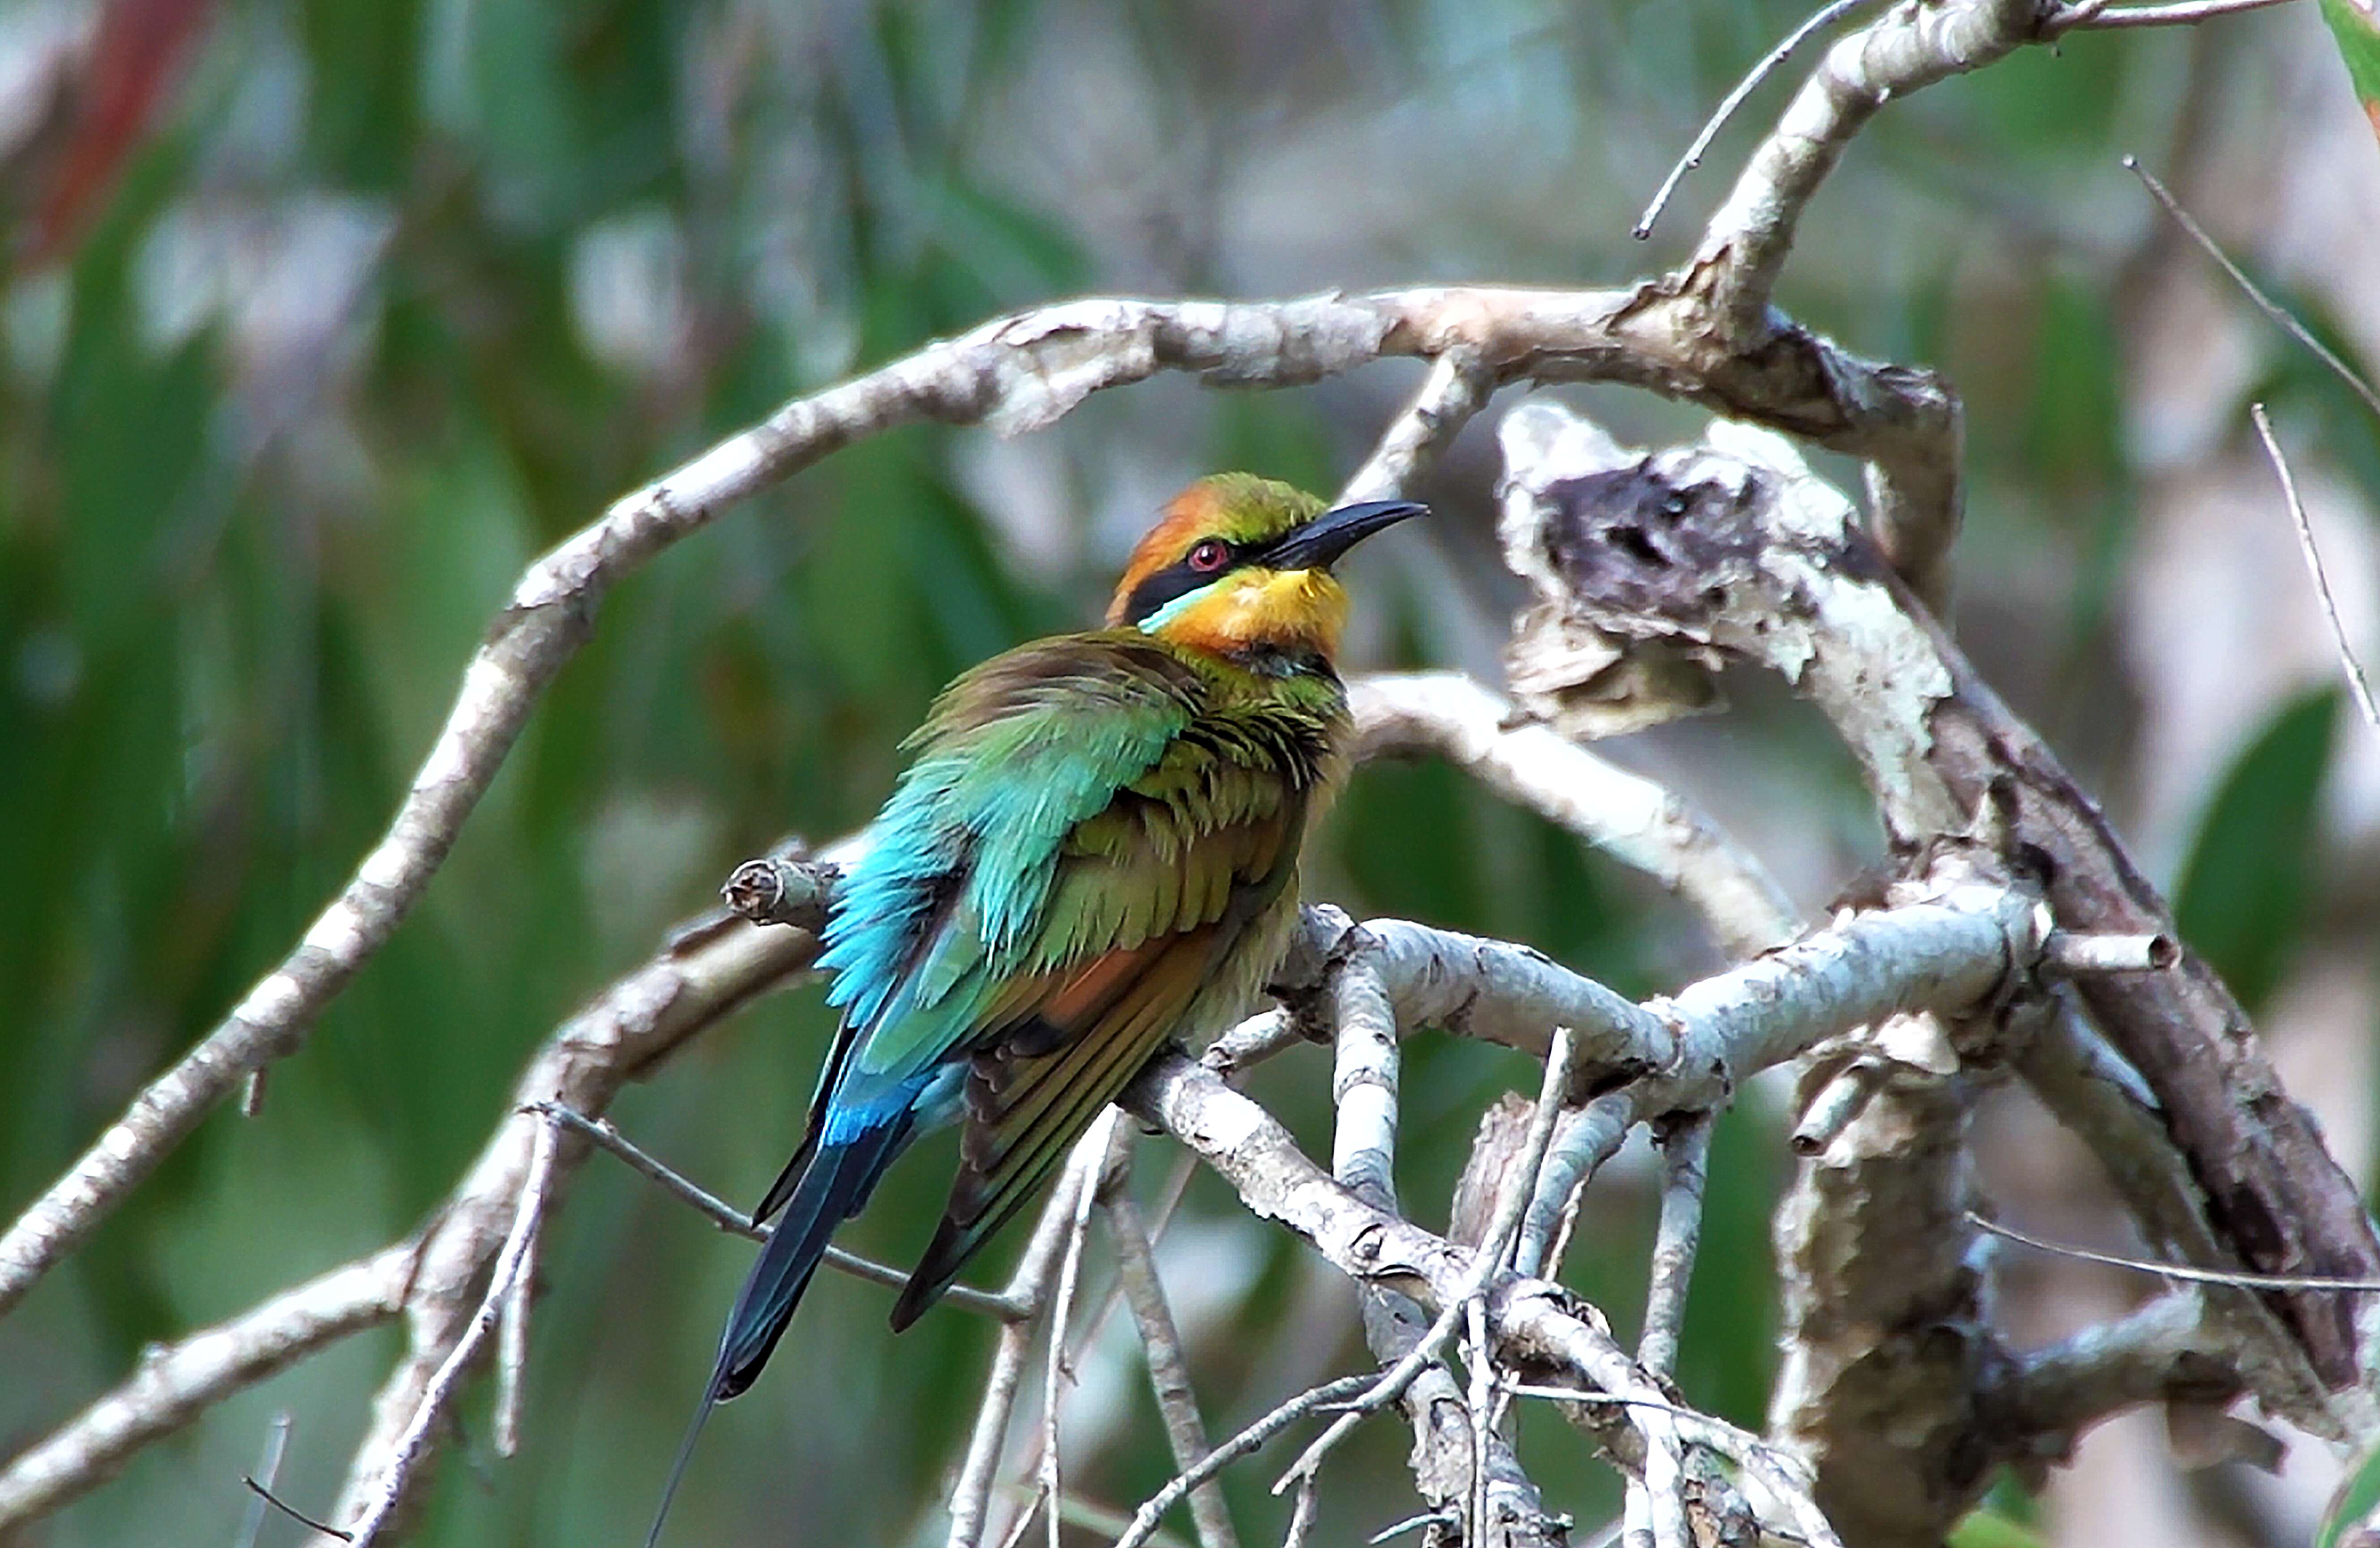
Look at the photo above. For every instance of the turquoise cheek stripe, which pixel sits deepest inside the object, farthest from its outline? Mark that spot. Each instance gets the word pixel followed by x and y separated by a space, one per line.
pixel 1175 608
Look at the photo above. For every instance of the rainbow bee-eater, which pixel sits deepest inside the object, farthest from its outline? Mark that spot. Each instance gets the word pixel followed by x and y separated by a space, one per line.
pixel 1093 850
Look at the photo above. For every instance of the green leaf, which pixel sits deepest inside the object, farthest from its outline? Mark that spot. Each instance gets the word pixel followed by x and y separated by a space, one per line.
pixel 2358 1494
pixel 1983 1528
pixel 2356 26
pixel 2241 901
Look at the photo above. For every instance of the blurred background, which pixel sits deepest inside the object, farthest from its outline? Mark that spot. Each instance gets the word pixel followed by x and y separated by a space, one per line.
pixel 318 319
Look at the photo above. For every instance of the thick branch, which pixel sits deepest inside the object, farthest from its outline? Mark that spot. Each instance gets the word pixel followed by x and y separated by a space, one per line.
pixel 2163 1352
pixel 1946 952
pixel 1882 1314
pixel 1733 550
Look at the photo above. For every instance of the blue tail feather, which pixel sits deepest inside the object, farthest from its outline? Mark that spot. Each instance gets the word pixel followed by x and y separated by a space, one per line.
pixel 825 1185
pixel 839 1175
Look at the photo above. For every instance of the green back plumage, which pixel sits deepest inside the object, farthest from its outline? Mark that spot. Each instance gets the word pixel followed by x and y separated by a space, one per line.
pixel 1091 827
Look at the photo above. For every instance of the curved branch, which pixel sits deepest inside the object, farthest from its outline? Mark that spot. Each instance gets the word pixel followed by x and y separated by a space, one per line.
pixel 175 1383
pixel 1633 819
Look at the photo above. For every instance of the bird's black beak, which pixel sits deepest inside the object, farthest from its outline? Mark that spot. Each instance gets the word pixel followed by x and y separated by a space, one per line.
pixel 1323 539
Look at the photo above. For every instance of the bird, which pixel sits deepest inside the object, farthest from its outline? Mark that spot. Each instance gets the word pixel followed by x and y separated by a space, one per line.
pixel 1092 852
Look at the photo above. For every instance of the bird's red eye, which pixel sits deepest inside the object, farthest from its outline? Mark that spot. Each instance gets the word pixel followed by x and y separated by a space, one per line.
pixel 1210 555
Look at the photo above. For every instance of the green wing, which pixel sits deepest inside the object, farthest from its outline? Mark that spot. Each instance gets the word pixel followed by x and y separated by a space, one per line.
pixel 1143 903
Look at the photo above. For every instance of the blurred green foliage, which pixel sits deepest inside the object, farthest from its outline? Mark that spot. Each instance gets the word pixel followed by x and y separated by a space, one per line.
pixel 2245 889
pixel 385 298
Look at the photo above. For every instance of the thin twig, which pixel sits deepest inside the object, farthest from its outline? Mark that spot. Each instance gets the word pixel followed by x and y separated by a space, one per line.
pixel 1312 1401
pixel 1301 1515
pixel 1511 1204
pixel 1480 1408
pixel 511 1349
pixel 413 1446
pixel 2357 685
pixel 267 1499
pixel 1685 1152
pixel 2280 316
pixel 2177 1270
pixel 605 1135
pixel 268 1470
pixel 2095 17
pixel 1817 22
pixel 1168 1370
pixel 1090 1154
pixel 971 1497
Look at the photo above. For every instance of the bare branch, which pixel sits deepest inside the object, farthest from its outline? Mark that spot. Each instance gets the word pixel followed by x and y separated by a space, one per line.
pixel 1456 388
pixel 1145 1520
pixel 605 1136
pixel 1089 1158
pixel 2105 1102
pixel 1013 374
pixel 267 1473
pixel 2164 1351
pixel 707 972
pixel 1945 954
pixel 175 1383
pixel 1784 1474
pixel 1479 1408
pixel 1910 47
pixel 1913 501
pixel 1633 819
pixel 268 1500
pixel 511 1349
pixel 1489 1260
pixel 413 1446
pixel 971 1497
pixel 1364 1073
pixel 1685 1153
pixel 1784 578
pixel 781 889
pixel 2358 685
pixel 2068 952
pixel 1817 22
pixel 1169 1369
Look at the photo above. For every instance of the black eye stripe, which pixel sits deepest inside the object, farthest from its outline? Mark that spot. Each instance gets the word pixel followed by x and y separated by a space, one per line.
pixel 1177 580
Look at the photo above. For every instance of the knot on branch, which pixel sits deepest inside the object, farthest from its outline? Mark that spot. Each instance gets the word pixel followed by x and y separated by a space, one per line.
pixel 1651 569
